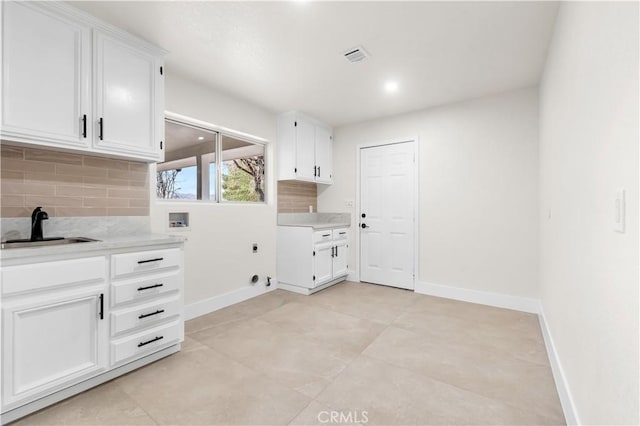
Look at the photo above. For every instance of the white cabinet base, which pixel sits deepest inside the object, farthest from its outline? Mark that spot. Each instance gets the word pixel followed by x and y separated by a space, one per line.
pixel 309 291
pixel 41 403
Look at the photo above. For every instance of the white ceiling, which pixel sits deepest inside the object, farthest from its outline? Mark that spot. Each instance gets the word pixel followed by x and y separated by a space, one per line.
pixel 288 55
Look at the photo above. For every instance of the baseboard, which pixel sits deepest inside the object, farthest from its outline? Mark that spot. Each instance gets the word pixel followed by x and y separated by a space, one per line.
pixel 352 275
pixel 564 393
pixel 498 300
pixel 211 304
pixel 309 291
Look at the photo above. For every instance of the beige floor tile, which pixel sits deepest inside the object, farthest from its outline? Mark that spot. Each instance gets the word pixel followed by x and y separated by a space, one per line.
pixel 487 372
pixel 320 414
pixel 267 302
pixel 217 320
pixel 104 405
pixel 396 396
pixel 202 386
pixel 516 333
pixel 368 301
pixel 304 364
pixel 337 330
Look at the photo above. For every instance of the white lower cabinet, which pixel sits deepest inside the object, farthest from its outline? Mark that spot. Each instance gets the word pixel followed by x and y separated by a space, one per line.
pixel 147 303
pixel 309 259
pixel 69 320
pixel 52 336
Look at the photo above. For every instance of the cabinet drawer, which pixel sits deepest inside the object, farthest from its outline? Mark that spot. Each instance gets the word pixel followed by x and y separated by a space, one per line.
pixel 144 261
pixel 340 234
pixel 37 276
pixel 143 343
pixel 143 288
pixel 322 236
pixel 144 315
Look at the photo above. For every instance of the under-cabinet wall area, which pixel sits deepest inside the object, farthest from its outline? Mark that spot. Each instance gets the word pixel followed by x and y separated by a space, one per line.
pixel 71 185
pixel 297 196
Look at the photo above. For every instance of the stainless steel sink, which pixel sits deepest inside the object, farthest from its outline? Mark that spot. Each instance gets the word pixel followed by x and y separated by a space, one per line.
pixel 46 242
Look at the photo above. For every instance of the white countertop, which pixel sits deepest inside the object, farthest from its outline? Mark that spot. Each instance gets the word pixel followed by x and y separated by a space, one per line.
pixel 315 220
pixel 105 243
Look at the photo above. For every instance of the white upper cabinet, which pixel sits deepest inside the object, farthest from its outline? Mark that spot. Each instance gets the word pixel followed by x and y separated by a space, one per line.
pixel 46 72
pixel 55 95
pixel 324 152
pixel 304 149
pixel 127 92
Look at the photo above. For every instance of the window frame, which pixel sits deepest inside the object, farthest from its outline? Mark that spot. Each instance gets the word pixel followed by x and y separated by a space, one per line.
pixel 220 132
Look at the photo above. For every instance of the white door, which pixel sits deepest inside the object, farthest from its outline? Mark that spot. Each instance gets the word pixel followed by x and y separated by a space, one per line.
pixel 305 150
pixel 339 258
pixel 55 340
pixel 46 60
pixel 322 263
pixel 323 154
pixel 127 91
pixel 387 212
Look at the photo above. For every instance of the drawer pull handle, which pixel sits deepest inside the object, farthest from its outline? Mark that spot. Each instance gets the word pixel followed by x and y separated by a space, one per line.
pixel 157 259
pixel 159 311
pixel 326 235
pixel 341 233
pixel 150 287
pixel 155 339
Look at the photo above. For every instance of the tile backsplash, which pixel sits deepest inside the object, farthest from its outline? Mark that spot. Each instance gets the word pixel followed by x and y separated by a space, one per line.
pixel 70 185
pixel 296 197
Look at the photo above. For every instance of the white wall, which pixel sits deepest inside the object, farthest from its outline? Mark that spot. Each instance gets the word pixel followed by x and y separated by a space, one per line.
pixel 478 189
pixel 218 255
pixel 589 148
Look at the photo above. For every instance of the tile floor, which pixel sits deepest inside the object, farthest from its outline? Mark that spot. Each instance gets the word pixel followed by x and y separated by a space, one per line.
pixel 358 352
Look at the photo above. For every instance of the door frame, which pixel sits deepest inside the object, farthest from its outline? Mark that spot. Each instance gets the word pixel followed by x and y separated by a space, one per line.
pixel 416 201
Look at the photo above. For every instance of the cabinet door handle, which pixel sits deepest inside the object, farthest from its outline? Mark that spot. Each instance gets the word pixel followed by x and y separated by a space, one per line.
pixel 155 339
pixel 336 251
pixel 332 251
pixel 150 287
pixel 101 299
pixel 157 259
pixel 318 171
pixel 159 311
pixel 315 171
pixel 84 126
pixel 100 124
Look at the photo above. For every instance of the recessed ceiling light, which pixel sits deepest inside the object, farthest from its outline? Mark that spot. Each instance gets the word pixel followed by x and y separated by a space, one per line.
pixel 391 86
pixel 200 138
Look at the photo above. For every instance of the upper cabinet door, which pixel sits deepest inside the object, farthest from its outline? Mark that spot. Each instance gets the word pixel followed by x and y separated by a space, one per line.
pixel 45 77
pixel 128 98
pixel 305 150
pixel 324 148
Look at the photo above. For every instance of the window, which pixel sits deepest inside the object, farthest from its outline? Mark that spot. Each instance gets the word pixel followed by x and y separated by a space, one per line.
pixel 242 170
pixel 191 170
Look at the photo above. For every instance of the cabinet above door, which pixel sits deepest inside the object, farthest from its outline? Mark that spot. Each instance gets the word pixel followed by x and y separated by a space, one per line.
pixel 55 96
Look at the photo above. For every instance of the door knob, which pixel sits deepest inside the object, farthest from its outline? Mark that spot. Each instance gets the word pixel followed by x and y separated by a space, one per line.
pixel 363 215
pixel 364 226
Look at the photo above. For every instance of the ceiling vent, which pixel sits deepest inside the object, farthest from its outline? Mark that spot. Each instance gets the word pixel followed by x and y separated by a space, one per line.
pixel 357 54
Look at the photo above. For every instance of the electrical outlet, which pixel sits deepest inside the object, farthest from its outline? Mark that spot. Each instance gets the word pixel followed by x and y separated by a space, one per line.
pixel 348 203
pixel 255 247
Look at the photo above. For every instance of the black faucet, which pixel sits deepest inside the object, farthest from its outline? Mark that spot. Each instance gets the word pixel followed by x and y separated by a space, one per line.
pixel 37 216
